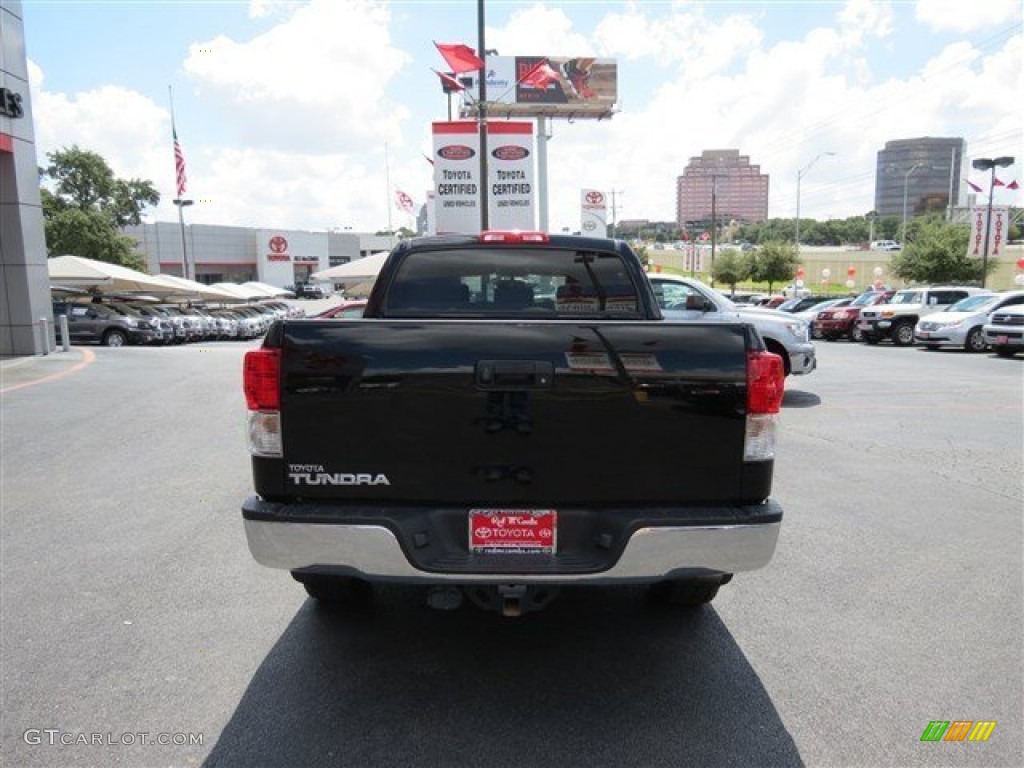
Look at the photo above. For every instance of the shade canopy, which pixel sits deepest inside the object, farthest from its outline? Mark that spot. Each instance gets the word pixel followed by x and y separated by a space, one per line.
pixel 191 289
pixel 101 277
pixel 357 271
pixel 240 291
pixel 269 291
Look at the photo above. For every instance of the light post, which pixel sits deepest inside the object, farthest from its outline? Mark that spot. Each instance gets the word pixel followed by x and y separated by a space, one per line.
pixel 989 164
pixel 906 181
pixel 799 175
pixel 181 203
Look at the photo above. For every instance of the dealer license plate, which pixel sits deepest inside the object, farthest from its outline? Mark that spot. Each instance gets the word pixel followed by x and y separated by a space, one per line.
pixel 496 531
pixel 1002 339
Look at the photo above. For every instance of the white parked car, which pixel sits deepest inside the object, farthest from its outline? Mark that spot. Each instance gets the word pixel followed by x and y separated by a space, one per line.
pixel 961 325
pixel 1004 331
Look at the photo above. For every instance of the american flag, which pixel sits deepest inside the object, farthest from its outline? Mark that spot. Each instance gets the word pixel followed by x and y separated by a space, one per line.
pixel 179 165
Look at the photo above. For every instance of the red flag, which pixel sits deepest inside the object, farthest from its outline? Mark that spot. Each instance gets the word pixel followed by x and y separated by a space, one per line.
pixel 997 183
pixel 461 58
pixel 541 76
pixel 403 202
pixel 973 186
pixel 1012 185
pixel 449 83
pixel 179 165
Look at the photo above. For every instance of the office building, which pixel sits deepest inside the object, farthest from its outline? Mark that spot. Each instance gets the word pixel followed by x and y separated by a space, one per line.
pixel 739 190
pixel 918 176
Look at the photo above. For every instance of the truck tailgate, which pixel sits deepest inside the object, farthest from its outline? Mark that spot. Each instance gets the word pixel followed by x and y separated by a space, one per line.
pixel 512 413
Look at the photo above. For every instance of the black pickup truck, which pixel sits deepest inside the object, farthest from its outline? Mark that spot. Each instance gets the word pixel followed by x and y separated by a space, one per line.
pixel 511 415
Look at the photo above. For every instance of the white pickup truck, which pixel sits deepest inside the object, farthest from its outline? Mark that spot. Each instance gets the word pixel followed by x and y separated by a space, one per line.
pixel 686 298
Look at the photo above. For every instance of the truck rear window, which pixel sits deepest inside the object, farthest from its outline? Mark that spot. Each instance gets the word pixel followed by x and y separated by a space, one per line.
pixel 512 282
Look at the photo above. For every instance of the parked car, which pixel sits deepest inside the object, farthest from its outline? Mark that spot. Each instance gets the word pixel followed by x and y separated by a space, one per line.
pixel 810 314
pixel 100 324
pixel 1004 331
pixel 896 319
pixel 312 291
pixel 352 308
pixel 164 327
pixel 800 303
pixel 885 245
pixel 685 298
pixel 834 323
pixel 961 325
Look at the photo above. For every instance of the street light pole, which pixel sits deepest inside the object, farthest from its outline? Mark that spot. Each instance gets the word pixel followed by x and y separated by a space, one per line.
pixel 906 181
pixel 989 164
pixel 799 175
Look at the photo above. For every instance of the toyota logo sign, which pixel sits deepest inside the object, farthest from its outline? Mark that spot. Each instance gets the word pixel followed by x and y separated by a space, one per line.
pixel 594 197
pixel 278 244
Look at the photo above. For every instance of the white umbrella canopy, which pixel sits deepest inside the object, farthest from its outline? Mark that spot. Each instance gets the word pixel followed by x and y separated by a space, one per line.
pixel 268 290
pixel 102 277
pixel 240 291
pixel 362 270
pixel 196 290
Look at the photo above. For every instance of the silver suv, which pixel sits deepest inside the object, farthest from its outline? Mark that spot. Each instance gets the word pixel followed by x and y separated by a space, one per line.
pixel 685 298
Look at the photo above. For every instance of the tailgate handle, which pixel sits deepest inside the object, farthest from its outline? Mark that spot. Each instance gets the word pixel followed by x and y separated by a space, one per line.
pixel 515 374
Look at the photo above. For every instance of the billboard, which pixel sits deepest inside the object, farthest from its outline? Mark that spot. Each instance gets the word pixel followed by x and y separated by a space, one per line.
pixel 593 213
pixel 510 176
pixel 546 86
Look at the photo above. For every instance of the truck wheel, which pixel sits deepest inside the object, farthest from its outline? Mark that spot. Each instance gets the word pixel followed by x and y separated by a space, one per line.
pixel 114 338
pixel 336 591
pixel 856 334
pixel 903 334
pixel 975 341
pixel 686 594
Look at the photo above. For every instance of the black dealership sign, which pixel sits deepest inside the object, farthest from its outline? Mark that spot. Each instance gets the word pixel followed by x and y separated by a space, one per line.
pixel 10 103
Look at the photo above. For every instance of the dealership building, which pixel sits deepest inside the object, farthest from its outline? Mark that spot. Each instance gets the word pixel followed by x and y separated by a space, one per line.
pixel 280 257
pixel 25 311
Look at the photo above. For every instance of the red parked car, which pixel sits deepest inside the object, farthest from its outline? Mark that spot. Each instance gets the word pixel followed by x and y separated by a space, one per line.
pixel 347 308
pixel 832 324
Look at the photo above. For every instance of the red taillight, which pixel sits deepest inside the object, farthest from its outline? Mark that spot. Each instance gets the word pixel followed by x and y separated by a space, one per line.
pixel 766 378
pixel 261 379
pixel 513 236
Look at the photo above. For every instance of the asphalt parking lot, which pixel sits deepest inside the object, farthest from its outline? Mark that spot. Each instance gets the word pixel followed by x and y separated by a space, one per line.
pixel 131 606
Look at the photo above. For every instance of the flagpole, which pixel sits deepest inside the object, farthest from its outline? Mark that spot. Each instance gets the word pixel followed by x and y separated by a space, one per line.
pixel 482 115
pixel 179 200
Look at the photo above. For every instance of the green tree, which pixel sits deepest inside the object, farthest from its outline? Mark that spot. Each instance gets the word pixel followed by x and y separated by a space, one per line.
pixel 774 262
pixel 86 207
pixel 730 268
pixel 936 252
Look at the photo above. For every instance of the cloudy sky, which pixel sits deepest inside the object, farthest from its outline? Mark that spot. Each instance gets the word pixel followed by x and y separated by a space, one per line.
pixel 297 114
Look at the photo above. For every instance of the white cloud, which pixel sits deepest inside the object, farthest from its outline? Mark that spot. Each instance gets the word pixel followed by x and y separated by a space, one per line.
pixel 316 79
pixel 137 144
pixel 538 30
pixel 956 16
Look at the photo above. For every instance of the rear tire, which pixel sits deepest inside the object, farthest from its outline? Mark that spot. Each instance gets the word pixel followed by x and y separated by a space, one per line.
pixel 975 341
pixel 684 594
pixel 336 591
